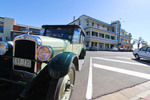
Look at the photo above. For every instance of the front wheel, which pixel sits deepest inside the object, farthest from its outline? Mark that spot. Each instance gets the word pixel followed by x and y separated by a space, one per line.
pixel 61 89
pixel 137 57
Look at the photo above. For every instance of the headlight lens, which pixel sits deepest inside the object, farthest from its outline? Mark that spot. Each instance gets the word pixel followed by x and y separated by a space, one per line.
pixel 3 48
pixel 44 53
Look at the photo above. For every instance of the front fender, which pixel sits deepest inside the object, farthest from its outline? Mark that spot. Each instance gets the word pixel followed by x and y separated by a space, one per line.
pixel 60 64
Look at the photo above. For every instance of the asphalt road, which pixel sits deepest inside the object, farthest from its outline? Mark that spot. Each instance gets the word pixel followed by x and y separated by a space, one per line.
pixel 107 72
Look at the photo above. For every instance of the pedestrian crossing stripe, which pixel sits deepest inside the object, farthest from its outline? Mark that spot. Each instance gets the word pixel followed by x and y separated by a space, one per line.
pixel 123 71
pixel 120 61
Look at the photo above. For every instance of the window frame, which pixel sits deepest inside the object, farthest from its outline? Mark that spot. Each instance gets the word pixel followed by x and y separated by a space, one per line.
pixel 141 49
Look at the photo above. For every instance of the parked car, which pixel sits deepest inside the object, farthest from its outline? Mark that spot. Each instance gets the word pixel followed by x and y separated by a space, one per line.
pixel 143 52
pixel 121 49
pixel 43 65
pixel 93 48
pixel 114 49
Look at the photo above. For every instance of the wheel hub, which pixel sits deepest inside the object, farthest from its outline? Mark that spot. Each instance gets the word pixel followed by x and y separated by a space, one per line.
pixel 68 86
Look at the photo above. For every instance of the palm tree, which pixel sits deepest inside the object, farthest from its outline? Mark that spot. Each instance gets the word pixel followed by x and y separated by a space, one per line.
pixel 144 43
pixel 139 41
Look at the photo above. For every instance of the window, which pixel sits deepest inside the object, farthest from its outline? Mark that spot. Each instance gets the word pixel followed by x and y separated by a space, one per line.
pixel 92 23
pixel 94 44
pixel 88 33
pixel 95 34
pixel 87 23
pixel 76 36
pixel 34 30
pixel 63 33
pixel 113 29
pixel 107 37
pixel 97 25
pixel 79 22
pixel 122 39
pixel 143 49
pixel 1 29
pixel 101 35
pixel 22 28
pixel 148 50
pixel 1 38
pixel 112 37
pixel 81 38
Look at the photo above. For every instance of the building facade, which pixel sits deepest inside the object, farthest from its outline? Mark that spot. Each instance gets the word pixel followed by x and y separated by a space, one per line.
pixel 6 25
pixel 9 29
pixel 103 36
pixel 19 29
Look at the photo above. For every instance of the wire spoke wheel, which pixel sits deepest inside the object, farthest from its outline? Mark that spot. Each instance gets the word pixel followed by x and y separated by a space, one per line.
pixel 67 85
pixel 63 86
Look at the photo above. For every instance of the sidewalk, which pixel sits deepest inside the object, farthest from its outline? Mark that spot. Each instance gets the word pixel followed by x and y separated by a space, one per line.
pixel 138 92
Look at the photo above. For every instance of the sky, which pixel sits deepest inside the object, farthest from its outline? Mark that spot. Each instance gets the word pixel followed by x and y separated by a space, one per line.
pixel 134 15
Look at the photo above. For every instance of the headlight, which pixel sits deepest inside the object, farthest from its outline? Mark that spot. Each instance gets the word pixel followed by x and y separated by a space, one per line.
pixel 44 53
pixel 3 48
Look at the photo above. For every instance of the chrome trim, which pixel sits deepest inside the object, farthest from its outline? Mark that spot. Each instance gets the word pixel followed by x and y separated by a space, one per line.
pixel 48 49
pixel 6 45
pixel 35 39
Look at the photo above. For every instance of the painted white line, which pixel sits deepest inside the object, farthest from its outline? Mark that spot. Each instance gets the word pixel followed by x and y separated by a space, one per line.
pixel 123 71
pixel 123 57
pixel 81 62
pixel 89 86
pixel 133 63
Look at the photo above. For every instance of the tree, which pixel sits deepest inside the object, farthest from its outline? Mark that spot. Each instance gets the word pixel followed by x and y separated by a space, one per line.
pixel 144 43
pixel 130 35
pixel 139 41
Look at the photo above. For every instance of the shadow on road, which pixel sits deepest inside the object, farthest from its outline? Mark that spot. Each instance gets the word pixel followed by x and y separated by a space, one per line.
pixel 143 61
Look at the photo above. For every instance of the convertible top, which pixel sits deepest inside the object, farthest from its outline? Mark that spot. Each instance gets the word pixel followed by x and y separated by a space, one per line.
pixel 63 26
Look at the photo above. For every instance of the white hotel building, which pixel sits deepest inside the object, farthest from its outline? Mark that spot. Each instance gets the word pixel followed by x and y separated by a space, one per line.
pixel 102 35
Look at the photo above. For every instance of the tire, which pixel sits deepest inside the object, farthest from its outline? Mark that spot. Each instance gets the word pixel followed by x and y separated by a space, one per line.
pixel 137 57
pixel 61 89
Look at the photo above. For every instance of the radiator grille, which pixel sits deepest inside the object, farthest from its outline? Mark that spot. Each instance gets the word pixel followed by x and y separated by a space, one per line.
pixel 25 49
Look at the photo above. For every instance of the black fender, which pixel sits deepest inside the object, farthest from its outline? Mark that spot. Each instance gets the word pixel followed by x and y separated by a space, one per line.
pixel 6 61
pixel 60 64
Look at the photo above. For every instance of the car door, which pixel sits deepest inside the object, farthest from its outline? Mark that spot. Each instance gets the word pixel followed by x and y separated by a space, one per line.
pixel 142 51
pixel 147 54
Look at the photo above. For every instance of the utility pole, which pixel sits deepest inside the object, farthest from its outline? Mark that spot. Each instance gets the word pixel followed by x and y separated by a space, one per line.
pixel 119 42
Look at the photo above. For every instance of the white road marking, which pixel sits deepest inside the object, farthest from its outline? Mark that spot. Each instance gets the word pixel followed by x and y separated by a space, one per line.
pixel 133 63
pixel 89 86
pixel 123 57
pixel 124 71
pixel 81 62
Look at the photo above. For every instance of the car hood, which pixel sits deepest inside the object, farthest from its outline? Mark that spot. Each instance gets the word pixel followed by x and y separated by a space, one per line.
pixel 54 42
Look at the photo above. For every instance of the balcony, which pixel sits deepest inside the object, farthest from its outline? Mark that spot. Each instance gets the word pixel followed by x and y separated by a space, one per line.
pixel 124 43
pixel 100 29
pixel 101 39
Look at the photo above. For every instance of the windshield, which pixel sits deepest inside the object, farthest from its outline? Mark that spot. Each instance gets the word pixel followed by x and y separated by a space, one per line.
pixel 63 33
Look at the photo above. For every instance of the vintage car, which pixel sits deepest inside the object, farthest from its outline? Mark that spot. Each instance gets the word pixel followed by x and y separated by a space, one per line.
pixel 41 67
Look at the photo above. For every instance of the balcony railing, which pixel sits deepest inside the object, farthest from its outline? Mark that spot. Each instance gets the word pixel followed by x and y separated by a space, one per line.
pixel 100 38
